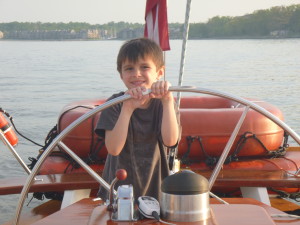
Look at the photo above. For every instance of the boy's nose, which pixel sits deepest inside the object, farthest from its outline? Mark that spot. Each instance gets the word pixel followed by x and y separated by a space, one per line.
pixel 137 73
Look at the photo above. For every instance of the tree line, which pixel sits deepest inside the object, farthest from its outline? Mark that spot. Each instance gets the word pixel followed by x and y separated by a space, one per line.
pixel 280 21
pixel 276 21
pixel 76 26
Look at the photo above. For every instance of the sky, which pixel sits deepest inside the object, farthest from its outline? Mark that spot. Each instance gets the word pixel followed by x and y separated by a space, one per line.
pixel 132 11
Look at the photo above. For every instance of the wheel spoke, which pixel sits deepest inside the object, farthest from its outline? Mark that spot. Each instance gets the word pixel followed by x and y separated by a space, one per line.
pixel 227 148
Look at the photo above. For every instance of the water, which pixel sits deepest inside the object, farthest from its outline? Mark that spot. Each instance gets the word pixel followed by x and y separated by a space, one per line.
pixel 37 78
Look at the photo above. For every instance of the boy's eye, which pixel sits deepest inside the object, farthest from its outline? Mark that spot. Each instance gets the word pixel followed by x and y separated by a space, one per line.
pixel 145 67
pixel 128 68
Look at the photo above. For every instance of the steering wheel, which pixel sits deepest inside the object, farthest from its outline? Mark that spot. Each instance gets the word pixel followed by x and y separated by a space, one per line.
pixel 58 140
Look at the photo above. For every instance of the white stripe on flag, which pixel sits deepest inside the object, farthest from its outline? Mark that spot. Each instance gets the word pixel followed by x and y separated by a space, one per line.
pixel 156 30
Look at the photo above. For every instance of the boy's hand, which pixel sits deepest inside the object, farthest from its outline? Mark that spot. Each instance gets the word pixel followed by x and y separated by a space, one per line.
pixel 160 89
pixel 138 99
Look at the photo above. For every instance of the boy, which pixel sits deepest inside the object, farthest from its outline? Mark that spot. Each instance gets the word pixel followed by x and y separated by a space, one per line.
pixel 138 130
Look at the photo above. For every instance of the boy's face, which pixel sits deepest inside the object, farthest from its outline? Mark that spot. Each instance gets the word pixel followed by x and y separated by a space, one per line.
pixel 143 73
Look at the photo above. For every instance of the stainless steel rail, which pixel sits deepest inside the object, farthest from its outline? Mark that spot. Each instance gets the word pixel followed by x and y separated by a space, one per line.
pixel 14 152
pixel 226 150
pixel 84 117
pixel 184 46
pixel 85 166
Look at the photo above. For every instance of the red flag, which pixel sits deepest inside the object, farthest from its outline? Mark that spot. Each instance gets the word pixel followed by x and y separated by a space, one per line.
pixel 156 26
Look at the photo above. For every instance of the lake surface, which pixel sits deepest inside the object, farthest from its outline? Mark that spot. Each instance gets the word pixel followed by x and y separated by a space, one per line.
pixel 38 78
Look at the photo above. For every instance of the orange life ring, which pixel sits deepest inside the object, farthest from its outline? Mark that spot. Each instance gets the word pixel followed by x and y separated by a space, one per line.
pixel 9 133
pixel 208 117
pixel 213 119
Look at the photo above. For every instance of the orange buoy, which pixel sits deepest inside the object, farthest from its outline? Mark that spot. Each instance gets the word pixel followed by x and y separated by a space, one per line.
pixel 208 119
pixel 9 133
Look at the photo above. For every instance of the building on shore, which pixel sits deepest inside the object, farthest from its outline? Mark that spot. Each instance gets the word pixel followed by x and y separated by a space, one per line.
pixel 55 34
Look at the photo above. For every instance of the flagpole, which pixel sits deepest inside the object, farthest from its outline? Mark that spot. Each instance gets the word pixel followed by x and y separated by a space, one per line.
pixel 173 161
pixel 165 66
pixel 165 71
pixel 183 50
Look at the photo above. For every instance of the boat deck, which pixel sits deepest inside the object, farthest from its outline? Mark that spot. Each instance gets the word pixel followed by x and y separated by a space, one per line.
pixel 226 178
pixel 87 211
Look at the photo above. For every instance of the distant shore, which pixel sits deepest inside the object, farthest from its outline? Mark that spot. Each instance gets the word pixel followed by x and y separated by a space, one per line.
pixel 275 23
pixel 114 39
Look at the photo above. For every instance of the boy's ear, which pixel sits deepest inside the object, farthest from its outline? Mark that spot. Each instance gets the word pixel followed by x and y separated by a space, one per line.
pixel 160 72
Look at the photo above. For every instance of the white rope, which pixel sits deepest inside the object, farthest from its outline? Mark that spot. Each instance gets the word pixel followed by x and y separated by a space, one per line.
pixel 285 215
pixel 218 198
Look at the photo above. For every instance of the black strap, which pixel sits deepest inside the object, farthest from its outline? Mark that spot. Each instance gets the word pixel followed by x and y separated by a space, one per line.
pixel 246 136
pixel 209 160
pixel 185 158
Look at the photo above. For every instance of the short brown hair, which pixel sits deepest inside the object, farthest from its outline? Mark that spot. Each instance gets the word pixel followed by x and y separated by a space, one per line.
pixel 134 49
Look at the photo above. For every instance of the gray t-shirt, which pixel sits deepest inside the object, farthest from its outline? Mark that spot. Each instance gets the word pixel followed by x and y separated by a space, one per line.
pixel 143 156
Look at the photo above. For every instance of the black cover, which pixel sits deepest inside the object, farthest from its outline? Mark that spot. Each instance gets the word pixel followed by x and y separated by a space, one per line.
pixel 185 183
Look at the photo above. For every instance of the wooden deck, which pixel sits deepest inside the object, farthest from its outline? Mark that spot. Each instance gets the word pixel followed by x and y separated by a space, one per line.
pixel 283 205
pixel 254 178
pixel 53 206
pixel 90 212
pixel 226 178
pixel 51 182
